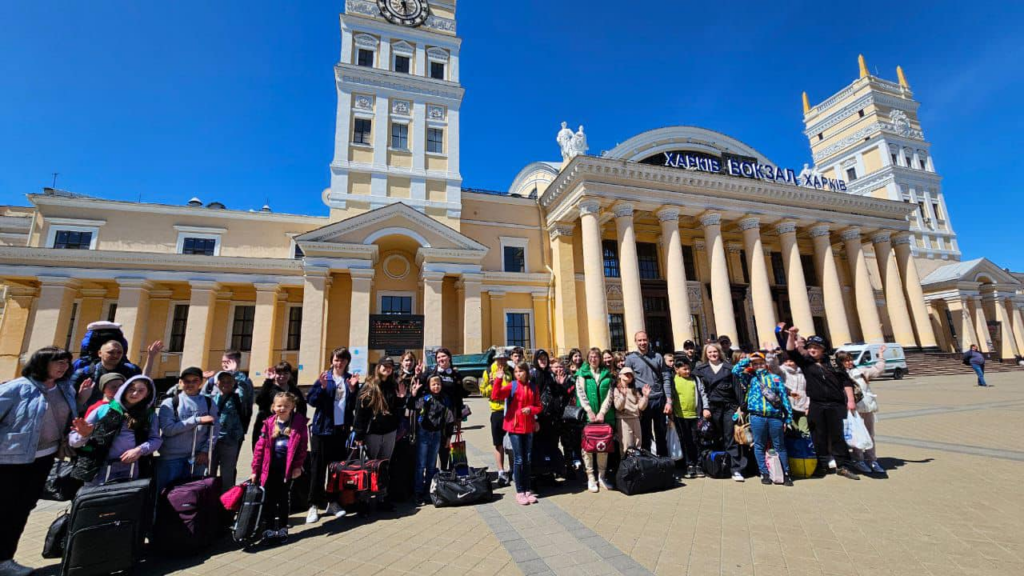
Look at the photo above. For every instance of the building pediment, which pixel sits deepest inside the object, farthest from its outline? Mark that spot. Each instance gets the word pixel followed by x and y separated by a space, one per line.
pixel 980 270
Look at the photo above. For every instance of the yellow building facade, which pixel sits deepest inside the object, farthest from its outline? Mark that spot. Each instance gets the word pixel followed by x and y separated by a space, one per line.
pixel 683 232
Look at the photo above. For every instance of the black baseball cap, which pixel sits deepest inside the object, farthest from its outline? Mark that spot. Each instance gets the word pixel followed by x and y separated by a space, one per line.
pixel 689 345
pixel 191 371
pixel 816 341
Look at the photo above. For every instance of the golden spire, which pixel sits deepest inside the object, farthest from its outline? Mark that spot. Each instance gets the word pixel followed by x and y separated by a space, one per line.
pixel 807 105
pixel 902 78
pixel 863 66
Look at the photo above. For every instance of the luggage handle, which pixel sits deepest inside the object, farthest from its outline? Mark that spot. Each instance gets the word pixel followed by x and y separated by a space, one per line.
pixel 209 453
pixel 131 472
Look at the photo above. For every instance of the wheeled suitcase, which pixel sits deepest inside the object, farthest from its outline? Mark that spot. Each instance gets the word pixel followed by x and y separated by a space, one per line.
pixel 246 528
pixel 105 528
pixel 189 515
pixel 641 471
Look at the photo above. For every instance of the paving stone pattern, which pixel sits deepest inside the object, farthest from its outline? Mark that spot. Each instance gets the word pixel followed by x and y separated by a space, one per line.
pixel 952 505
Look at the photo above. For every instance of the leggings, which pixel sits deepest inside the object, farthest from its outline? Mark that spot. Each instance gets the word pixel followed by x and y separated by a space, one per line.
pixel 827 432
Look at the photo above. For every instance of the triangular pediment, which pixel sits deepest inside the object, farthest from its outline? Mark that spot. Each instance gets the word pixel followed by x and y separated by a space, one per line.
pixel 978 270
pixel 395 219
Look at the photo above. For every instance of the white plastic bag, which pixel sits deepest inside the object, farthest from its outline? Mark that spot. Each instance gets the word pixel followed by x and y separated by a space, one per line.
pixel 774 465
pixel 675 449
pixel 856 433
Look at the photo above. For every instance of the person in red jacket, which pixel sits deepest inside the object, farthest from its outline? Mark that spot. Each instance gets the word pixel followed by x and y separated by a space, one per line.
pixel 522 405
pixel 277 461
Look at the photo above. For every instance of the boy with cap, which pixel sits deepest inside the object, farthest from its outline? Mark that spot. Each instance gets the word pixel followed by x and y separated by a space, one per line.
pixel 500 365
pixel 232 426
pixel 109 383
pixel 180 415
pixel 831 394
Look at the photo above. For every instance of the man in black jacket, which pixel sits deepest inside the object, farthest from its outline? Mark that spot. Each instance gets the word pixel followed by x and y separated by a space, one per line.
pixel 831 394
pixel 451 386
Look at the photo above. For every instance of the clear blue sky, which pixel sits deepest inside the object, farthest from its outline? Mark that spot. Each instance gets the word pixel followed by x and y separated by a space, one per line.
pixel 234 100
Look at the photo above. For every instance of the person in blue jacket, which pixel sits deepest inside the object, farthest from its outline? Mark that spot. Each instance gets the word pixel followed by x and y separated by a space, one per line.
pixel 767 405
pixel 36 411
pixel 333 397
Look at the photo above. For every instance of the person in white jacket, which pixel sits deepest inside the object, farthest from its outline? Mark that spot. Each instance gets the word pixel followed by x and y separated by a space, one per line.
pixel 867 405
pixel 796 384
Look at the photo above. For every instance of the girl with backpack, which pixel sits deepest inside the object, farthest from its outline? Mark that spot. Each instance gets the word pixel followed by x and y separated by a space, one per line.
pixel 593 390
pixel 521 409
pixel 117 435
pixel 433 412
pixel 277 461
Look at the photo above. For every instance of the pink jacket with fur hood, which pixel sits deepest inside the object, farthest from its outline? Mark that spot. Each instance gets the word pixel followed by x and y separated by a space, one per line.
pixel 298 447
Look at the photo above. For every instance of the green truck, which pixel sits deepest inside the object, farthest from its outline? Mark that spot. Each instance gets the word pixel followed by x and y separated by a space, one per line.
pixel 471 366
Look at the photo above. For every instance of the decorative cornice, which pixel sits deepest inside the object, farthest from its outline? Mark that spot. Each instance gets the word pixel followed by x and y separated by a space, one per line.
pixel 110 206
pixel 560 230
pixel 787 227
pixel 146 260
pixel 858 105
pixel 93 292
pixel 850 234
pixel 134 283
pixel 203 285
pixel 527 277
pixel 668 214
pixel 819 230
pixel 350 75
pixel 749 223
pixel 623 210
pixel 833 149
pixel 590 207
pixel 711 219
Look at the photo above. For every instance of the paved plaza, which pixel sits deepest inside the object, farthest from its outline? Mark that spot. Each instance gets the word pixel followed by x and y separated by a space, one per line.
pixel 953 505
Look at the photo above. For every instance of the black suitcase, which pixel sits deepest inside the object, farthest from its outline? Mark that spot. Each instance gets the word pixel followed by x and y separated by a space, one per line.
pixel 246 529
pixel 450 489
pixel 105 529
pixel 641 471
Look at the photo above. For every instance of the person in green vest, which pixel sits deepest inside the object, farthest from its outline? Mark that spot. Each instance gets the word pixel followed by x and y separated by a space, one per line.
pixel 594 384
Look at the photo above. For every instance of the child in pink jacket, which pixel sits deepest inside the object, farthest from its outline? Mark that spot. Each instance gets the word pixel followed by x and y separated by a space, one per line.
pixel 277 460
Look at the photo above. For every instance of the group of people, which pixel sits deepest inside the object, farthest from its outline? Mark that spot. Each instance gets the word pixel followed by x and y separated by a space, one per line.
pixel 109 413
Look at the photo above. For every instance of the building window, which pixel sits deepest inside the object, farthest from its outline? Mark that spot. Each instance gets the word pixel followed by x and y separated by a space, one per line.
pixel 400 136
pixel 179 321
pixel 72 240
pixel 71 326
pixel 394 305
pixel 435 140
pixel 112 312
pixel 437 70
pixel 647 260
pixel 517 329
pixel 514 258
pixel 294 338
pixel 403 64
pixel 821 136
pixel 851 174
pixel 617 331
pixel 297 253
pixel 363 131
pixel 895 161
pixel 743 267
pixel 698 336
pixel 935 209
pixel 810 276
pixel 365 58
pixel 199 246
pixel 611 258
pixel 241 329
pixel 860 113
pixel 778 269
pixel 920 162
pixel 689 264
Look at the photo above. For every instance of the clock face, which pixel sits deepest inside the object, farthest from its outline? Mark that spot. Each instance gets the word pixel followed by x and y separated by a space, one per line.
pixel 404 12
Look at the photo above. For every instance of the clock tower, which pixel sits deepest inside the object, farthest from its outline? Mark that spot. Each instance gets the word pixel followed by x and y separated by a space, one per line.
pixel 397 133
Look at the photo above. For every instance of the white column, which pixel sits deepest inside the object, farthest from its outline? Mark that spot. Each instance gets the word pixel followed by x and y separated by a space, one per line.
pixel 912 290
pixel 52 318
pixel 895 301
pixel 831 289
pixel 1018 324
pixel 867 309
pixel 796 282
pixel 199 324
pixel 361 306
pixel 472 316
pixel 133 313
pixel 721 288
pixel 433 317
pixel 316 284
pixel 675 275
pixel 760 288
pixel 629 270
pixel 593 271
pixel 1007 345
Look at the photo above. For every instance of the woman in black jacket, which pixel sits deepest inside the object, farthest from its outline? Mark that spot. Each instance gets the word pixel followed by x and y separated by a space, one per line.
pixel 280 378
pixel 378 410
pixel 451 386
pixel 725 396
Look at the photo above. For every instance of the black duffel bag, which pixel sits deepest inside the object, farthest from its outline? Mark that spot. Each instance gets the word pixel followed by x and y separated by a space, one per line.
pixel 574 415
pixel 450 489
pixel 641 471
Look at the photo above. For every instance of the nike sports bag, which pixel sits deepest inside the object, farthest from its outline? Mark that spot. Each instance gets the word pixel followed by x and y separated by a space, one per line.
pixel 450 489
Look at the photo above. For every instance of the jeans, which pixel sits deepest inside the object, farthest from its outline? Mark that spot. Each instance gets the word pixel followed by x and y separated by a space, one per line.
pixel 20 487
pixel 522 455
pixel 427 444
pixel 764 429
pixel 225 460
pixel 654 415
pixel 979 369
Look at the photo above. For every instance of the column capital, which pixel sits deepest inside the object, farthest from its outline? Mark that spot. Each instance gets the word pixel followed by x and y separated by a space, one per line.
pixel 539 296
pixel 431 276
pixel 785 227
pixel 750 223
pixel 93 292
pixel 469 278
pixel 734 247
pixel 698 245
pixel 850 234
pixel 496 293
pixel 881 237
pixel 365 273
pixel 590 207
pixel 20 291
pixel 64 281
pixel 668 214
pixel 819 230
pixel 267 287
pixel 561 230
pixel 315 272
pixel 203 285
pixel 711 219
pixel 160 294
pixel 623 210
pixel 901 239
pixel 139 283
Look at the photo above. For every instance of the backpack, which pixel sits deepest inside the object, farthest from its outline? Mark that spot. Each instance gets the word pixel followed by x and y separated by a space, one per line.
pixel 176 402
pixel 716 464
pixel 95 338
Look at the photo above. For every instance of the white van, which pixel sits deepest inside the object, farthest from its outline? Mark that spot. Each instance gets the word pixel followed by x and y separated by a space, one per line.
pixel 867 355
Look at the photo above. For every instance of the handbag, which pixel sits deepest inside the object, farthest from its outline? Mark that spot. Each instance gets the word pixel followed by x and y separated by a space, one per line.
pixel 60 486
pixel 574 415
pixel 598 437
pixel 741 433
pixel 232 499
pixel 56 536
pixel 459 458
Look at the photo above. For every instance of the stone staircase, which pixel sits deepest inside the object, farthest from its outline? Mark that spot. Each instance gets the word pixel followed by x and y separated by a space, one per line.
pixel 921 364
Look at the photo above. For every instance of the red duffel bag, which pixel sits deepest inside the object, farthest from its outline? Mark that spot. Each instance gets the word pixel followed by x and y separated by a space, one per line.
pixel 598 437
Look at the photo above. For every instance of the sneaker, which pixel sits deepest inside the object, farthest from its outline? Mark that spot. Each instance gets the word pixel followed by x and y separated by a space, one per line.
pixel 787 480
pixel 862 467
pixel 269 534
pixel 691 472
pixel 832 463
pixel 766 479
pixel 877 469
pixel 502 478
pixel 577 465
pixel 532 497
pixel 335 509
pixel 12 568
pixel 314 515
pixel 738 477
pixel 847 473
pixel 282 534
pixel 522 499
pixel 700 472
pixel 592 485
pixel 605 484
